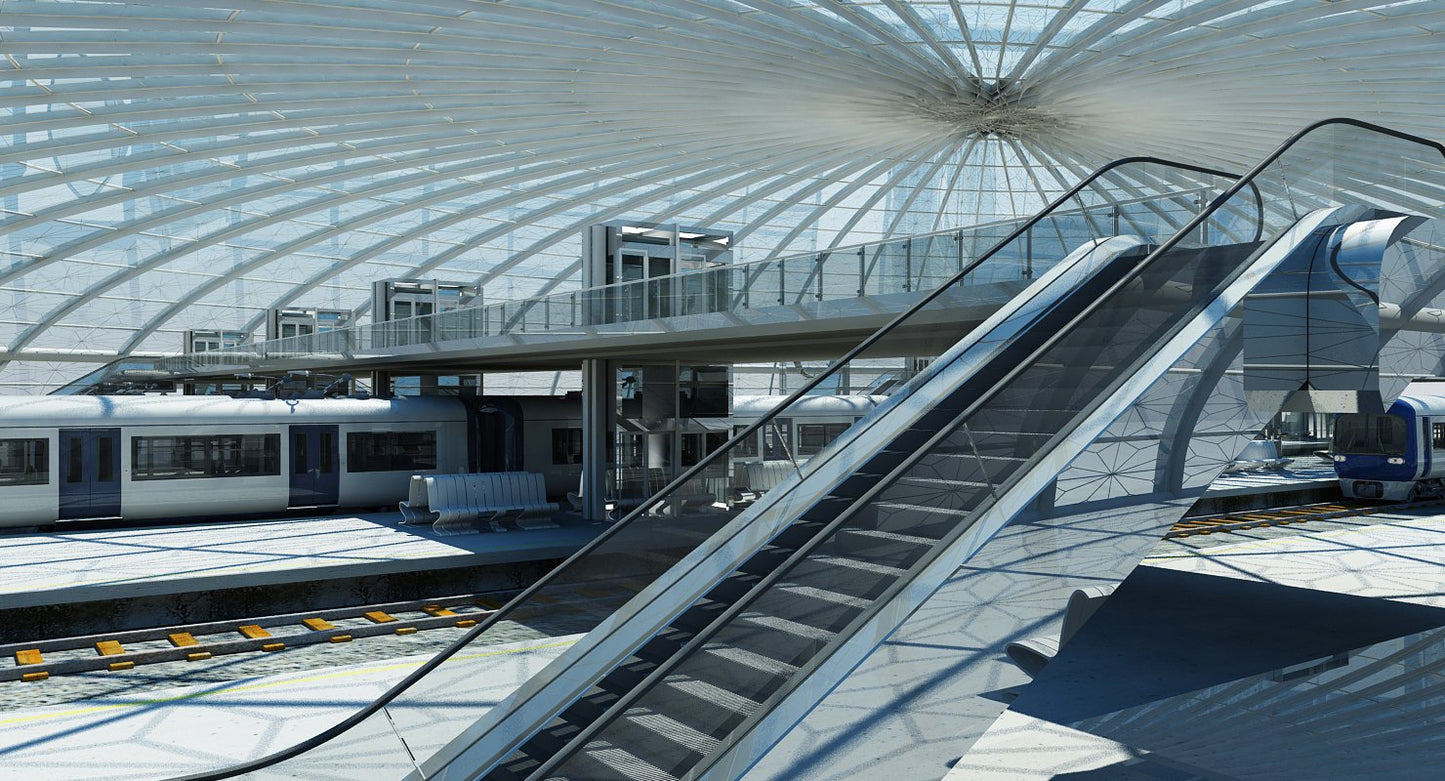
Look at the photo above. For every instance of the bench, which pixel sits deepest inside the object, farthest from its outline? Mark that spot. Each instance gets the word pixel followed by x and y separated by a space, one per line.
pixel 759 477
pixel 459 503
pixel 1258 454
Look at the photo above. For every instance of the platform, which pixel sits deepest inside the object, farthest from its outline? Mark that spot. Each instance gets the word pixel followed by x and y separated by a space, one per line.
pixel 65 568
pixel 1172 609
pixel 104 565
pixel 1309 656
pixel 185 730
pixel 1303 474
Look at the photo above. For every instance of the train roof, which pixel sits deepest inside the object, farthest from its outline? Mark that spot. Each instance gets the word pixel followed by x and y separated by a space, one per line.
pixel 82 411
pixel 755 406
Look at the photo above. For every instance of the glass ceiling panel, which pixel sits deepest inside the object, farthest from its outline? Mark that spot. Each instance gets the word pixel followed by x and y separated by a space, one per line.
pixel 234 156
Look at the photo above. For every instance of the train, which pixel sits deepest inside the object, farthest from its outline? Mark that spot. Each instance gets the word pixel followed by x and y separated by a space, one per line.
pixel 1397 456
pixel 72 458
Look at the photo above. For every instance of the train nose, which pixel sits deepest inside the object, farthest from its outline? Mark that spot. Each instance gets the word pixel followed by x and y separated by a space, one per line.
pixel 1369 489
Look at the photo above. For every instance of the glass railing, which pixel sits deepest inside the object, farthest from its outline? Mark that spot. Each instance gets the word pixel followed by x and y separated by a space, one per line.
pixel 1144 198
pixel 983 433
pixel 907 267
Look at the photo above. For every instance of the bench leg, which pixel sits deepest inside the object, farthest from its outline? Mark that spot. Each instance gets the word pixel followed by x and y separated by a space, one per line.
pixel 495 522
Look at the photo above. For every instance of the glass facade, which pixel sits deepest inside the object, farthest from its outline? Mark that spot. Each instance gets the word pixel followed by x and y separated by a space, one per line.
pixel 177 167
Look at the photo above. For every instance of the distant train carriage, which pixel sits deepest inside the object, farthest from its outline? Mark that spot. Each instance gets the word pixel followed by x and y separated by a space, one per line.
pixel 1399 455
pixel 76 457
pixel 801 432
pixel 167 457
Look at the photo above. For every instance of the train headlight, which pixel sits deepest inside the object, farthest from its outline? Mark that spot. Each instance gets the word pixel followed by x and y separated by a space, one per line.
pixel 1339 459
pixel 1394 460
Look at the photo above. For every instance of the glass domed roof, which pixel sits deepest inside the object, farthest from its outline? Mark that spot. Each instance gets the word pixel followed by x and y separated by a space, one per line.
pixel 181 165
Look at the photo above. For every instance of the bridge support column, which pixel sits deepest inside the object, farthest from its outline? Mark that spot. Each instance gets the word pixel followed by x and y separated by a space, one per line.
pixel 599 418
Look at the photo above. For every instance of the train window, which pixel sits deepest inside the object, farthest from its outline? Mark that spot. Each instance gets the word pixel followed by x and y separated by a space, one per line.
pixel 391 451
pixel 1439 436
pixel 1369 434
pixel 215 455
pixel 813 437
pixel 24 461
pixel 75 461
pixel 566 445
pixel 300 462
pixel 105 470
pixel 696 447
pixel 748 448
pixel 778 439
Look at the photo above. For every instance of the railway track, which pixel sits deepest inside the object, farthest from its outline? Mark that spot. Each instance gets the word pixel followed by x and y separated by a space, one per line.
pixel 1282 516
pixel 115 651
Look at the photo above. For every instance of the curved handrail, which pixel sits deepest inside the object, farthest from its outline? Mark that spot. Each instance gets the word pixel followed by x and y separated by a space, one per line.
pixel 1090 308
pixel 441 656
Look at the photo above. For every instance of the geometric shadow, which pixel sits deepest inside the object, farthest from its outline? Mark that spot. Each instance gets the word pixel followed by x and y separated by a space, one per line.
pixel 1165 632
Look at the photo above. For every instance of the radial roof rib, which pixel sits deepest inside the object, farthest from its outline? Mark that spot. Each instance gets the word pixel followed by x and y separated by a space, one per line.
pixel 174 165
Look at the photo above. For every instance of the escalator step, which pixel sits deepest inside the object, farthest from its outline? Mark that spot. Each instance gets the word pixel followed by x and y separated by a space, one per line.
pixel 797 534
pixel 712 695
pixel 549 740
pixel 732 588
pixel 852 562
pixel 910 539
pixel 625 676
pixel 686 739
pixel 752 660
pixel 824 595
pixel 697 617
pixel 589 707
pixel 602 761
pixel 780 624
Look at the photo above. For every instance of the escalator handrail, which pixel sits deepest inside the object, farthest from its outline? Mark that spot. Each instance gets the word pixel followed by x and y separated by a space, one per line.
pixel 441 656
pixel 1089 308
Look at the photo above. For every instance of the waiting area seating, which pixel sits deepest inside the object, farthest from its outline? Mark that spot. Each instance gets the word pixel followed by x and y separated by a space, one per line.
pixel 759 477
pixel 460 503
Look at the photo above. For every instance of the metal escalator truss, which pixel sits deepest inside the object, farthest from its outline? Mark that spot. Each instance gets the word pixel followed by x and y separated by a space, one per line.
pixel 677 561
pixel 708 694
pixel 757 530
pixel 845 574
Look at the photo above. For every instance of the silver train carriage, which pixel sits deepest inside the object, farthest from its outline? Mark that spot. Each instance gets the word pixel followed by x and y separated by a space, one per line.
pixel 204 457
pixel 140 457
pixel 1396 456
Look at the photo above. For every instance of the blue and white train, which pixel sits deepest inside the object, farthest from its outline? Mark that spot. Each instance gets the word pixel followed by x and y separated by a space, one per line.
pixel 1396 456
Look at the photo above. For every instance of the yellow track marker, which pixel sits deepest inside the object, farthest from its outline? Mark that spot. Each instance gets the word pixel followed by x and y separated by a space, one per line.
pixel 318 624
pixel 465 622
pixel 436 610
pixel 341 638
pixel 40 676
pixel 115 666
pixel 406 630
pixel 269 647
pixel 253 631
pixel 198 656
pixel 378 617
pixel 29 656
pixel 109 648
pixel 182 639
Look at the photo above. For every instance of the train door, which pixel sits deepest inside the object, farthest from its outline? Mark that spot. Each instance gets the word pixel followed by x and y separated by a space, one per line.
pixel 315 467
pixel 89 473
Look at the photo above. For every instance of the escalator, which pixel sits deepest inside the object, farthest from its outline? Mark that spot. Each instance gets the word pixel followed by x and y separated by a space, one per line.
pixel 746 622
pixel 690 700
pixel 665 708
